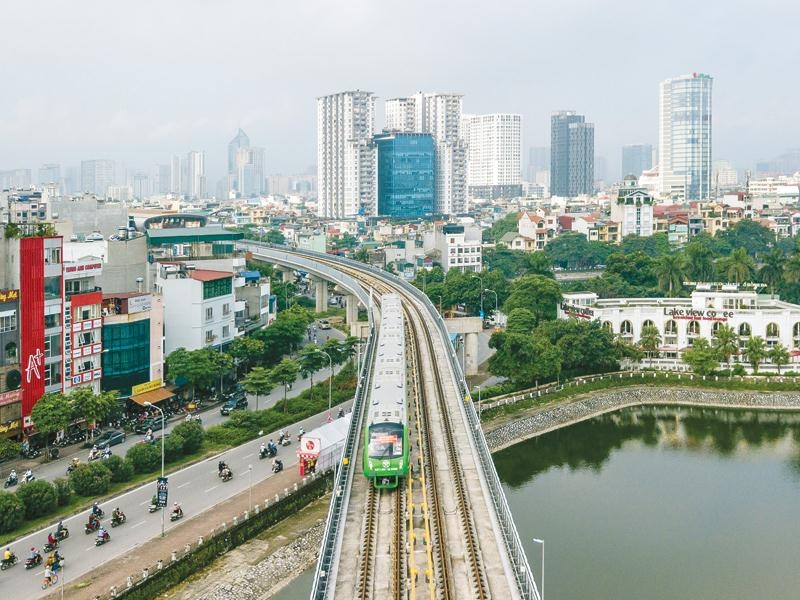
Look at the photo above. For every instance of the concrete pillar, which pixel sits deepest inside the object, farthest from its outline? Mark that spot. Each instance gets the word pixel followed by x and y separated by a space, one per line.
pixel 287 274
pixel 321 287
pixel 471 354
pixel 351 314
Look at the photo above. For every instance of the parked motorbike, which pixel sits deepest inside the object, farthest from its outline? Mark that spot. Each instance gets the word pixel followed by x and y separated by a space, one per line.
pixel 30 453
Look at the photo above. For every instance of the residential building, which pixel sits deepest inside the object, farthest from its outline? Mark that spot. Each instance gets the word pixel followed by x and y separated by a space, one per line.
pixel 15 179
pixel 571 155
pixel 250 172
pixel 457 247
pixel 241 140
pixel 725 176
pixel 176 175
pixel 22 206
pixel 541 228
pixel 493 155
pixel 50 173
pixel 636 159
pixel 406 174
pixel 633 209
pixel 195 184
pixel 140 185
pixel 684 137
pixel 345 156
pixel 85 214
pixel 198 306
pixel 539 165
pixel 438 114
pixel 97 176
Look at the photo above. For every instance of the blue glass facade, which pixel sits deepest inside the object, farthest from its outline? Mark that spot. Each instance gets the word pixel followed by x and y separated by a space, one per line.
pixel 406 174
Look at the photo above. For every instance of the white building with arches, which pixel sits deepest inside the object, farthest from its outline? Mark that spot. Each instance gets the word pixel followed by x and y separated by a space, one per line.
pixel 682 320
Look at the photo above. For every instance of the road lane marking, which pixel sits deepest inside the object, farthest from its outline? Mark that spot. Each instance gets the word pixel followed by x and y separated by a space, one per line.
pixel 249 455
pixel 139 523
pixel 145 502
pixel 183 485
pixel 211 488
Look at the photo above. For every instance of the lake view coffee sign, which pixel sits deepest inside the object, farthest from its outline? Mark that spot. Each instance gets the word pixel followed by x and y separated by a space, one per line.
pixel 694 314
pixel 581 312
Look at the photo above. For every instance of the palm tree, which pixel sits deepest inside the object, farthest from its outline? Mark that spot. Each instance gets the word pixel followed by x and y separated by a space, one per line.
pixel 771 270
pixel 779 355
pixel 738 267
pixel 649 341
pixel 755 352
pixel 700 261
pixel 791 269
pixel 726 343
pixel 671 273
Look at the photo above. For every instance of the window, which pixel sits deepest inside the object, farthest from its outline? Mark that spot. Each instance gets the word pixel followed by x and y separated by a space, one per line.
pixel 670 328
pixel 744 329
pixel 72 287
pixel 52 374
pixel 51 321
pixel 648 323
pixel 11 353
pixel 715 328
pixel 209 336
pixel 226 310
pixel 8 322
pixel 226 332
pixel 86 338
pixel 217 287
pixel 607 326
pixel 773 330
pixel 52 345
pixel 796 334
pixel 693 329
pixel 626 329
pixel 209 313
pixel 52 287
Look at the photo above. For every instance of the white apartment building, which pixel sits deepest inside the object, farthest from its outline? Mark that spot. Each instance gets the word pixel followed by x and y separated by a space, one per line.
pixel 684 138
pixel 83 324
pixel 458 247
pixel 493 154
pixel 199 306
pixel 439 115
pixel 196 175
pixel 345 156
pixel 633 209
pixel 682 320
pixel 97 176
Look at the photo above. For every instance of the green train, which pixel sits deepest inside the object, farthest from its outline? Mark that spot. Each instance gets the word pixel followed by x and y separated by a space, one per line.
pixel 386 429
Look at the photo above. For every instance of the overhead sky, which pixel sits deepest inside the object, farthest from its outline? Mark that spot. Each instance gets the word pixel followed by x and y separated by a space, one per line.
pixel 139 80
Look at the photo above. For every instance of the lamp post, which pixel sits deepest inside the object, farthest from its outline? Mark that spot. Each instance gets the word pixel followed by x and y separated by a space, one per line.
pixel 250 472
pixel 479 402
pixel 538 541
pixel 479 278
pixel 495 303
pixel 151 405
pixel 330 381
pixel 440 305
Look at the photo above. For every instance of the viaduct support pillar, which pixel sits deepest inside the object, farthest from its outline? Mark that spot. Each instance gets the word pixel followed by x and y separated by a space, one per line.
pixel 321 289
pixel 471 353
pixel 351 314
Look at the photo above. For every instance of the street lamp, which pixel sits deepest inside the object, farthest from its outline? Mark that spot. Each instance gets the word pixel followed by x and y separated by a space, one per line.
pixel 481 280
pixel 538 541
pixel 440 305
pixel 330 380
pixel 151 405
pixel 250 472
pixel 479 402
pixel 495 303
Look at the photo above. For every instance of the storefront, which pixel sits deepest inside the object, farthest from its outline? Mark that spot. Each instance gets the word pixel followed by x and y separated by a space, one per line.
pixel 320 449
pixel 151 392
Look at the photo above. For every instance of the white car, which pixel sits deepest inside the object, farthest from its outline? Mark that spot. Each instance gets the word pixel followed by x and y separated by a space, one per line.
pixel 324 324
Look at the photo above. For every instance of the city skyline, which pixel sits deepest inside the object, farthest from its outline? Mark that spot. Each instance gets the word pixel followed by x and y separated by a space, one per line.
pixel 113 116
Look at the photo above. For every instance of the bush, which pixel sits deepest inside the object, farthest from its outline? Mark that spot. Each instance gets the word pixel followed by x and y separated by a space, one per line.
pixel 91 479
pixel 121 470
pixel 39 498
pixel 12 512
pixel 144 457
pixel 63 489
pixel 173 447
pixel 192 434
pixel 8 449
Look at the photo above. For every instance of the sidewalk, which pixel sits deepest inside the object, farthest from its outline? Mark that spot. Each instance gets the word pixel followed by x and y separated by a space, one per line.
pixel 115 573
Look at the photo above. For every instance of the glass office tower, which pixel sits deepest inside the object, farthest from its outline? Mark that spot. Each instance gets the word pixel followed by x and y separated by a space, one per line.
pixel 406 174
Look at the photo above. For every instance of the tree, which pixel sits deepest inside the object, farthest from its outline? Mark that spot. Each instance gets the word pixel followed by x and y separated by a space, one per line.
pixel 523 359
pixel 173 447
pixel 193 435
pixel 738 267
pixel 771 270
pixel 311 360
pixel 650 341
pixel 194 367
pixel 670 271
pixel 655 245
pixel 12 512
pixel 539 294
pixel 258 382
pixel 90 406
pixel 726 343
pixel 791 268
pixel 53 412
pixel 121 469
pixel 635 268
pixel 92 479
pixel 753 238
pixel 755 351
pixel 145 458
pixel 39 498
pixel 570 251
pixel 221 363
pixel 701 357
pixel 501 227
pixel 699 260
pixel 779 356
pixel 245 351
pixel 63 490
pixel 521 320
pixel 285 373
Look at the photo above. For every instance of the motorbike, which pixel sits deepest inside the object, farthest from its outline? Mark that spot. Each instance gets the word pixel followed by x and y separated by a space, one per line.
pixel 30 453
pixel 284 440
pixel 72 467
pixel 7 564
pixel 118 520
pixel 63 534
pixel 300 435
pixel 227 475
pixel 32 563
pixel 48 547
pixel 267 452
pixel 102 539
pixel 10 481
pixel 221 468
pixel 153 508
pixel 175 515
pixel 28 478
pixel 277 467
pixel 91 527
pixel 54 452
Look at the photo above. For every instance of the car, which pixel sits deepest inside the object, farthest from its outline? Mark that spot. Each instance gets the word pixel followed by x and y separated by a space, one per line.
pixel 324 324
pixel 149 423
pixel 109 438
pixel 238 403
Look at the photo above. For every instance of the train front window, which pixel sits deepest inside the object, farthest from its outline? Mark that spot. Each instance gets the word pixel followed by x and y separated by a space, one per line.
pixel 386 440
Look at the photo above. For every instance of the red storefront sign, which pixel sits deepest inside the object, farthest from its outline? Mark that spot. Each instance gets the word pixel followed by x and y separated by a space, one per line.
pixel 31 305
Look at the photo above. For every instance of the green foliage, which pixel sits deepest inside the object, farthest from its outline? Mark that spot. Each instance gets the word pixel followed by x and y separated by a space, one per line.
pixel 650 340
pixel 39 498
pixel 12 512
pixel 9 449
pixel 701 357
pixel 738 267
pixel 63 489
pixel 655 246
pixel 247 350
pixel 193 435
pixel 145 458
pixel 515 263
pixel 121 470
pixel 752 237
pixel 284 335
pixel 755 350
pixel 51 413
pixel 90 406
pixel 285 373
pixel 91 479
pixel 173 447
pixel 194 367
pixel 671 273
pixel 521 320
pixel 726 343
pixel 778 356
pixel 635 268
pixel 501 227
pixel 536 293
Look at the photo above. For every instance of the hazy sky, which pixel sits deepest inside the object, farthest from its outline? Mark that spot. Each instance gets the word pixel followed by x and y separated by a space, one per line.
pixel 139 80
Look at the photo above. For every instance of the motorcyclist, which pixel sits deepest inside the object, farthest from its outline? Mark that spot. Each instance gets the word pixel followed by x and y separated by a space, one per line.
pixel 96 510
pixel 8 555
pixel 28 475
pixel 94 522
pixel 95 453
pixel 300 434
pixel 272 447
pixel 277 465
pixel 51 539
pixel 103 534
pixel 226 472
pixel 59 529
pixel 281 436
pixel 48 576
pixel 221 467
pixel 176 509
pixel 55 560
pixel 340 413
pixel 263 449
pixel 34 554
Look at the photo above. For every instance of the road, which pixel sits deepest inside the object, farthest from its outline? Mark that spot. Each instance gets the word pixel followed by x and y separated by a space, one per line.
pixel 196 487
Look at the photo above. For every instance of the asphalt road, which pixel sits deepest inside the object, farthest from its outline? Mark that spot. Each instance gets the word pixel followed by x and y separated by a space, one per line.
pixel 197 487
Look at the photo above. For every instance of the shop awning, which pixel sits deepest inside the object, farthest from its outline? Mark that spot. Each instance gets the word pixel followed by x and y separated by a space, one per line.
pixel 153 396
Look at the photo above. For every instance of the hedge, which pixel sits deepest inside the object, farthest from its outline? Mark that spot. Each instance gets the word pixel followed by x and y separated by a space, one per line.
pixel 39 498
pixel 91 479
pixel 12 512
